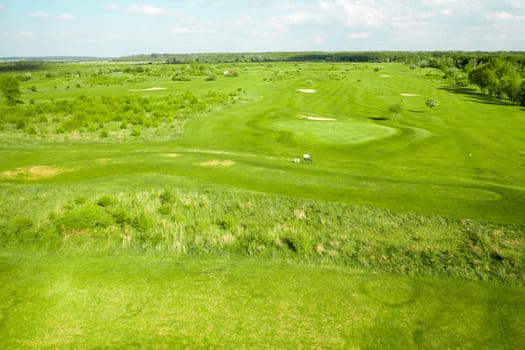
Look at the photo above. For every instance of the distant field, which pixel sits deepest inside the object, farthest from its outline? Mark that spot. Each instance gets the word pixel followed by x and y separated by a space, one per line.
pixel 188 169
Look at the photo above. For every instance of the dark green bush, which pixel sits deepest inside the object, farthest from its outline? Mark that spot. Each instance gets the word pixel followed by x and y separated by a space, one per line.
pixel 121 217
pixel 86 217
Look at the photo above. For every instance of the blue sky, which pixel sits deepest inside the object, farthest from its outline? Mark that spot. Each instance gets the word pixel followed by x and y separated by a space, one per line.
pixel 122 27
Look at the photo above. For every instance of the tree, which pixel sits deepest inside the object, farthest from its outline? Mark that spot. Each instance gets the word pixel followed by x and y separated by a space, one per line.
pixel 431 103
pixel 10 89
pixel 394 109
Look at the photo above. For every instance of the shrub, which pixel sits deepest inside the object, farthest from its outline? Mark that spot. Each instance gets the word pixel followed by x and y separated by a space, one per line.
pixel 165 209
pixel 142 223
pixel 211 78
pixel 298 241
pixel 166 196
pixel 121 217
pixel 136 132
pixel 105 201
pixel 104 133
pixel 31 130
pixel 86 217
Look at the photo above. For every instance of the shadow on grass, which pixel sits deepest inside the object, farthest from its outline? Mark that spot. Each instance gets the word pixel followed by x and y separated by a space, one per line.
pixel 475 96
pixel 414 111
pixel 379 118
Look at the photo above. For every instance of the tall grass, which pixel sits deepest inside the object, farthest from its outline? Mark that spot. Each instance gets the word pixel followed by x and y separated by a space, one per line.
pixel 177 221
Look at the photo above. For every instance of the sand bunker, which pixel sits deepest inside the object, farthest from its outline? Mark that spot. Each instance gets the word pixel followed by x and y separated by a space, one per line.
pixel 150 89
pixel 321 119
pixel 171 155
pixel 307 91
pixel 214 163
pixel 33 173
pixel 408 95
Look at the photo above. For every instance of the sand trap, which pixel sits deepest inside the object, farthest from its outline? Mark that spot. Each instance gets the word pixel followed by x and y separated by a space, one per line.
pixel 321 119
pixel 214 163
pixel 33 173
pixel 408 95
pixel 150 89
pixel 171 155
pixel 307 91
pixel 385 76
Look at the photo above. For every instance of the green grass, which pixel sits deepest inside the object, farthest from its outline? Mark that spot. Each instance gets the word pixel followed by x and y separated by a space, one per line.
pixel 406 231
pixel 142 301
pixel 332 132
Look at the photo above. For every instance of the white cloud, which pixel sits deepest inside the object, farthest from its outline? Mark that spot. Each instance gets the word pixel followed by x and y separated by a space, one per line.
pixel 66 16
pixel 46 15
pixel 147 10
pixel 358 35
pixel 355 13
pixel 187 30
pixel 299 17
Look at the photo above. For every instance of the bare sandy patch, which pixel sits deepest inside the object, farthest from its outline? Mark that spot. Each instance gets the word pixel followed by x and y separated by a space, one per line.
pixel 33 173
pixel 307 91
pixel 216 163
pixel 321 119
pixel 171 155
pixel 408 95
pixel 149 89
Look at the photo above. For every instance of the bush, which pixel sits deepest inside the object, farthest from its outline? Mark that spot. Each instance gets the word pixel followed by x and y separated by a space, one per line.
pixel 121 217
pixel 142 223
pixel 166 197
pixel 105 201
pixel 211 78
pixel 165 209
pixel 299 242
pixel 136 132
pixel 86 217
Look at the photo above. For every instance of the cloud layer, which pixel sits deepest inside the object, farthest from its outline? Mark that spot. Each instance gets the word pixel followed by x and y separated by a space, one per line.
pixel 99 28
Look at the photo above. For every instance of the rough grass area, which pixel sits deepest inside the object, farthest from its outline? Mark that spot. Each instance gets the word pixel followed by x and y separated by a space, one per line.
pixel 135 300
pixel 222 223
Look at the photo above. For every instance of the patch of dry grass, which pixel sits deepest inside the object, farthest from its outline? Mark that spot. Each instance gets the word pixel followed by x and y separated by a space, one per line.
pixel 217 163
pixel 33 173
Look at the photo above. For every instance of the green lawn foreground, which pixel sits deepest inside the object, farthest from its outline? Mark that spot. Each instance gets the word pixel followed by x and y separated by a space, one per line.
pixel 58 301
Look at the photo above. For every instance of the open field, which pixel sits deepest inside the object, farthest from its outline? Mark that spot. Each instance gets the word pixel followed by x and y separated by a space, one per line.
pixel 142 189
pixel 149 301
